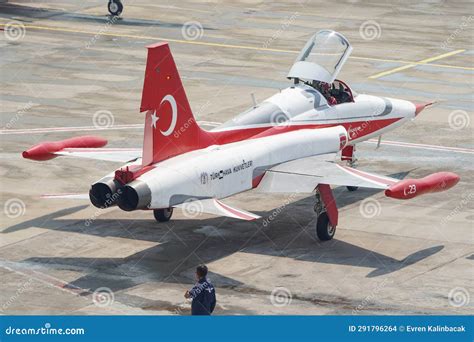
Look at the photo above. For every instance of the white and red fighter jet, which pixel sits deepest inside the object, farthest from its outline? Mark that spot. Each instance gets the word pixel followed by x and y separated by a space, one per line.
pixel 288 143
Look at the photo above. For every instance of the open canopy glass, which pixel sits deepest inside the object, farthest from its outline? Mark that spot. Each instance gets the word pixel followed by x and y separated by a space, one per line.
pixel 322 57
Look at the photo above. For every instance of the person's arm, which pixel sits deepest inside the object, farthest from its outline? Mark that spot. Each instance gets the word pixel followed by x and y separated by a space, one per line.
pixel 191 293
pixel 195 291
pixel 213 302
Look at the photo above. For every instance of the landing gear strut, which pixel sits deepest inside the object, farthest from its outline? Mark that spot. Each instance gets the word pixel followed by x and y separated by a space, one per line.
pixel 163 215
pixel 326 213
pixel 348 154
pixel 115 7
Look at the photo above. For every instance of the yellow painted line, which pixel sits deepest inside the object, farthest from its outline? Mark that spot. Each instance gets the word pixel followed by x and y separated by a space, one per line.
pixel 409 66
pixel 232 46
pixel 122 35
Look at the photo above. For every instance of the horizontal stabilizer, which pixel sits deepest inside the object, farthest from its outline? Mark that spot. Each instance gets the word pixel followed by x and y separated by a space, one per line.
pixel 119 155
pixel 215 207
pixel 67 196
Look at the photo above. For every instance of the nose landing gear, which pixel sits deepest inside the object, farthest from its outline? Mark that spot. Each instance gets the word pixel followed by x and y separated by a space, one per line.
pixel 326 212
pixel 348 155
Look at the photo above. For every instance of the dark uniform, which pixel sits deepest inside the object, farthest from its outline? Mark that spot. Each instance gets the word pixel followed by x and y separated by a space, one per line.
pixel 204 298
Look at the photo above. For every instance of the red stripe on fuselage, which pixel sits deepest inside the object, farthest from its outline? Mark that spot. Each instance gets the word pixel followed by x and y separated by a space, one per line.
pixel 355 130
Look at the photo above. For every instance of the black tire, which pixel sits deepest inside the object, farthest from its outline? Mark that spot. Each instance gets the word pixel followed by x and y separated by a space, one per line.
pixel 163 215
pixel 115 7
pixel 324 229
pixel 352 188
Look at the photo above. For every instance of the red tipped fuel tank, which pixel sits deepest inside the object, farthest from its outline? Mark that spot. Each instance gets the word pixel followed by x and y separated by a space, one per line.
pixel 409 188
pixel 46 150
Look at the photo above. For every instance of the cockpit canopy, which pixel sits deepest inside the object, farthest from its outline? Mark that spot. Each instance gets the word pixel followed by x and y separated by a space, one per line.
pixel 322 57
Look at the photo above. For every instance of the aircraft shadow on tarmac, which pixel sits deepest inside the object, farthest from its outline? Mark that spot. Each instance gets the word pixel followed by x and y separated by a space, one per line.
pixel 9 10
pixel 182 244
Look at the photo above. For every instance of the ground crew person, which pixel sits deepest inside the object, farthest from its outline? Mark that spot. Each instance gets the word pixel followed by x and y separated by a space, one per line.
pixel 202 293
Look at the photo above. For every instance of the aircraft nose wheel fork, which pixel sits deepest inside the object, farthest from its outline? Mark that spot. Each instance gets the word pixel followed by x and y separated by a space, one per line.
pixel 348 155
pixel 325 229
pixel 163 215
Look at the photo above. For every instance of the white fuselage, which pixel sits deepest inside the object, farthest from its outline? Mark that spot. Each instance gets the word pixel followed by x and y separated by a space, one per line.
pixel 222 171
pixel 367 117
pixel 313 128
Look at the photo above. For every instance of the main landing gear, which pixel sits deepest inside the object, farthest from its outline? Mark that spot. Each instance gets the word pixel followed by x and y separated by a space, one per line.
pixel 115 7
pixel 326 213
pixel 348 155
pixel 163 215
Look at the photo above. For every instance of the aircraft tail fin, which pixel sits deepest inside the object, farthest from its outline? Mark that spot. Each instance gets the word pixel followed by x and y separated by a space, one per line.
pixel 170 127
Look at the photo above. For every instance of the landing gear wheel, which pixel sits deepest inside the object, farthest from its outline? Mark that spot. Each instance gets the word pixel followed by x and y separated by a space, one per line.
pixel 163 215
pixel 352 188
pixel 115 7
pixel 324 229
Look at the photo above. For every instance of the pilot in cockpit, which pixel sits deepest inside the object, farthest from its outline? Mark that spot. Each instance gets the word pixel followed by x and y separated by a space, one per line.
pixel 325 89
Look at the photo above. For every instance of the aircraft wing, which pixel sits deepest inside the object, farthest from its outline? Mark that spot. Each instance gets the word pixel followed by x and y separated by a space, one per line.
pixel 302 176
pixel 122 155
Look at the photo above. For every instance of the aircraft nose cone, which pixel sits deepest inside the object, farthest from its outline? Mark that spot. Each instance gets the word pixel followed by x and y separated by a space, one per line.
pixel 420 106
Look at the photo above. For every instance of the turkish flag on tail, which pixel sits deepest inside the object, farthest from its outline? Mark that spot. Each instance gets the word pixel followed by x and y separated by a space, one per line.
pixel 170 127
